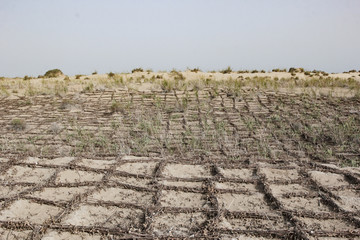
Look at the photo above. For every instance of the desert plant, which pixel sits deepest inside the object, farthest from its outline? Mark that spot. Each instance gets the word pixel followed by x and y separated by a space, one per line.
pixel 137 70
pixel 166 85
pixel 115 106
pixel 78 76
pixel 291 70
pixel 279 70
pixel 94 73
pixel 195 70
pixel 118 80
pixel 27 77
pixel 111 74
pixel 18 124
pixel 177 75
pixel 89 88
pixel 227 70
pixel 53 73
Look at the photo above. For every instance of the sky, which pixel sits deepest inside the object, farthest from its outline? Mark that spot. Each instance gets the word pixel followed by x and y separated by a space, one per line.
pixel 82 36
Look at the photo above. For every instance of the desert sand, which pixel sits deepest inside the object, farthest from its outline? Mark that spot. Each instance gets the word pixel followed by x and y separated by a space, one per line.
pixel 180 155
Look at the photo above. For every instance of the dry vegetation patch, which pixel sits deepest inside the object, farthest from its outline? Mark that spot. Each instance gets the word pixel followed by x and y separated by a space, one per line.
pixel 221 155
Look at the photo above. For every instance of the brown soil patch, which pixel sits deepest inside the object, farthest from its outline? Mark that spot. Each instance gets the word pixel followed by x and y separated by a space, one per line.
pixel 133 181
pixel 87 215
pixel 329 179
pixel 245 174
pixel 183 199
pixel 186 171
pixel 98 164
pixel 120 195
pixel 76 176
pixel 145 168
pixel 349 200
pixel 180 224
pixel 27 174
pixel 304 204
pixel 24 210
pixel 182 184
pixel 254 224
pixel 59 194
pixel 280 174
pixel 243 202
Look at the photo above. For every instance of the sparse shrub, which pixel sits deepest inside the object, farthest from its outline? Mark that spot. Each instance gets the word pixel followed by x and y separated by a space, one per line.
pixel 66 78
pixel 262 71
pixel 166 85
pixel 254 71
pixel 177 75
pixel 111 74
pixel 137 70
pixel 307 73
pixel 352 71
pixel 18 124
pixel 86 78
pixel 89 88
pixel 118 80
pixel 149 70
pixel 292 70
pixel 115 106
pixel 120 107
pixel 293 74
pixel 78 76
pixel 27 77
pixel 195 70
pixel 40 76
pixel 94 73
pixel 295 70
pixel 243 71
pixel 227 70
pixel 53 73
pixel 279 70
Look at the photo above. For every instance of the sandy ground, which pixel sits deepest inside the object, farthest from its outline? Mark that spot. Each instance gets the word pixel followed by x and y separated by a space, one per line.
pixel 75 208
pixel 178 164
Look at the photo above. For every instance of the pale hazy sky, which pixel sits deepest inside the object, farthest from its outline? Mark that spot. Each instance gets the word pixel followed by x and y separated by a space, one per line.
pixel 81 36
